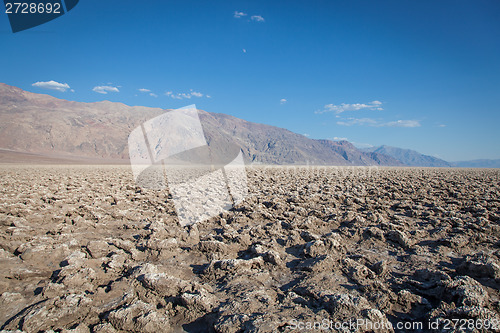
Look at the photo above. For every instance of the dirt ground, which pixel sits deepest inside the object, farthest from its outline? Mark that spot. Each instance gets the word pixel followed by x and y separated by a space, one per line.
pixel 84 249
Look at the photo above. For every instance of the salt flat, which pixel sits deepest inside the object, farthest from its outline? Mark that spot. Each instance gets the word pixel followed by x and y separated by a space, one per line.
pixel 84 249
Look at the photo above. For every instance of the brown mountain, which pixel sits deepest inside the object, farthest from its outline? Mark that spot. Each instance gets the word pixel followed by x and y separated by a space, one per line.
pixel 41 125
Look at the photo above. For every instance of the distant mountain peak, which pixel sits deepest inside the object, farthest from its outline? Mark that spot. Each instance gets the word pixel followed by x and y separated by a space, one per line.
pixel 410 157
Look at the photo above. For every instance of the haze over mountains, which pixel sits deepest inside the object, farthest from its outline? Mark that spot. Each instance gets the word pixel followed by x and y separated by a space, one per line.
pixel 413 158
pixel 48 127
pixel 410 157
pixel 483 163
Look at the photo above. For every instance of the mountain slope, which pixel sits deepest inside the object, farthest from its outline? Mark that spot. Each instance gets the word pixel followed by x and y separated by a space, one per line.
pixel 45 125
pixel 357 157
pixel 272 145
pixel 410 157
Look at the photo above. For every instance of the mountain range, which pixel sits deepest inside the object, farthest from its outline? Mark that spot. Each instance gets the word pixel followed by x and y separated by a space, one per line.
pixel 414 158
pixel 40 128
pixel 409 157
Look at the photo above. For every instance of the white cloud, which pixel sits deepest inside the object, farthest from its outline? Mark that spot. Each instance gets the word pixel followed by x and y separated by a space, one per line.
pixel 358 121
pixel 144 90
pixel 53 85
pixel 336 138
pixel 362 145
pixel 402 123
pixel 375 105
pixel 442 125
pixel 257 18
pixel 244 51
pixel 306 135
pixel 188 95
pixel 374 123
pixel 105 89
pixel 239 14
pixel 283 101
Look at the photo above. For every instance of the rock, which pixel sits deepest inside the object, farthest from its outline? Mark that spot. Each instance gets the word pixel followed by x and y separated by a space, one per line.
pixel 273 257
pixel 139 317
pixel 315 248
pixel 117 262
pixel 99 248
pixel 480 266
pixel 230 323
pixel 5 254
pixel 381 267
pixel 465 291
pixel 125 245
pixel 163 284
pixel 55 312
pixel 11 304
pixel 270 256
pixel 345 305
pixel 201 301
pixel 77 277
pixel 308 236
pixel 104 328
pixel 375 232
pixel 358 272
pixel 169 244
pixel 238 266
pixel 212 246
pixel 334 241
pixel 409 301
pixel 144 269
pixel 79 329
pixel 375 321
pixel 399 237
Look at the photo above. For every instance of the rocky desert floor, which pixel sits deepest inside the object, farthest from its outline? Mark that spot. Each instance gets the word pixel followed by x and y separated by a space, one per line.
pixel 84 249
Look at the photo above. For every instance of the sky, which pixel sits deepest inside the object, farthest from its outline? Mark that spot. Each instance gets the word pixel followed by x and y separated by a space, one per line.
pixel 423 75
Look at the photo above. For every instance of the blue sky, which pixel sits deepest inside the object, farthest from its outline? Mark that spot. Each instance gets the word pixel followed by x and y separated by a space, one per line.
pixel 423 75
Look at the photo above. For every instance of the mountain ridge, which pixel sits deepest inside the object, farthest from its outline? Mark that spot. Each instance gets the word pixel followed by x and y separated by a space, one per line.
pixel 40 125
pixel 409 157
pixel 45 125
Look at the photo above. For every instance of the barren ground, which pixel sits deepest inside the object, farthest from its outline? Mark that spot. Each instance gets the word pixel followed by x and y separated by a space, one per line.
pixel 83 249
